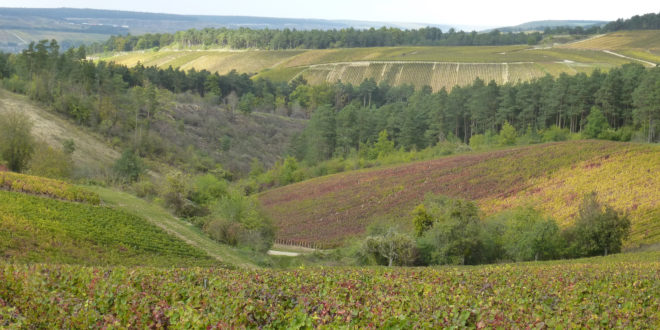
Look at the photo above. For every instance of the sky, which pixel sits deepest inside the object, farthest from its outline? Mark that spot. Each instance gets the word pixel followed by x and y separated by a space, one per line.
pixel 473 13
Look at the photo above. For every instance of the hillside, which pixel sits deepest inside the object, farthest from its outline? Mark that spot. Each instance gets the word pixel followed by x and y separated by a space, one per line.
pixel 39 229
pixel 92 155
pixel 643 44
pixel 541 25
pixel 233 140
pixel 552 177
pixel 435 66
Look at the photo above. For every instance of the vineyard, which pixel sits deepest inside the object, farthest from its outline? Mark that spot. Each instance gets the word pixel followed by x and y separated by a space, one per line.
pixel 435 66
pixel 46 187
pixel 329 209
pixel 643 45
pixel 438 75
pixel 621 291
pixel 37 229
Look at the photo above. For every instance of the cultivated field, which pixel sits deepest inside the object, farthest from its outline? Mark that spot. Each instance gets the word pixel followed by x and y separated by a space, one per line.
pixel 435 66
pixel 644 45
pixel 38 229
pixel 619 291
pixel 552 177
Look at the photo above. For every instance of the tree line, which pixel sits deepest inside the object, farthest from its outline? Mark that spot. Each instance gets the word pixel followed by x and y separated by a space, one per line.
pixel 453 231
pixel 276 39
pixel 122 102
pixel 622 104
pixel 243 38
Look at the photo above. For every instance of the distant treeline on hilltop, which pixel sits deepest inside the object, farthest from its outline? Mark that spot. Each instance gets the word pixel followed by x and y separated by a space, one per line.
pixel 313 39
pixel 243 38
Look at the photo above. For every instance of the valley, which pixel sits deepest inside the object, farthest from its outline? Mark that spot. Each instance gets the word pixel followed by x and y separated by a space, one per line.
pixel 217 171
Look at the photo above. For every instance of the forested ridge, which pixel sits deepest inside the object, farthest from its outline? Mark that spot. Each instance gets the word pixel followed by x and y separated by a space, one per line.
pixel 276 39
pixel 121 101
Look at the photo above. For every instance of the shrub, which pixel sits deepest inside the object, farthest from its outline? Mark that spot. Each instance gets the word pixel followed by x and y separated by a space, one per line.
pixel 599 228
pixel 526 235
pixel 507 135
pixel 596 124
pixel 49 162
pixel 391 249
pixel 555 134
pixel 129 166
pixel 16 141
pixel 238 218
pixel 208 188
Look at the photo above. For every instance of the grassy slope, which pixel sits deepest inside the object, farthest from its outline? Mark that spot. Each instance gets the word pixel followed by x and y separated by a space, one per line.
pixel 176 227
pixel 92 155
pixel 501 63
pixel 551 176
pixel 618 291
pixel 38 229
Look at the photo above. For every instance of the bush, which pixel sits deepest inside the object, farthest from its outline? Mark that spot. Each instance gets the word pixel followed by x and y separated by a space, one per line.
pixel 524 234
pixel 238 218
pixel 507 135
pixel 391 249
pixel 51 163
pixel 177 196
pixel 596 124
pixel 129 166
pixel 16 141
pixel 224 231
pixel 599 229
pixel 208 188
pixel 555 134
pixel 144 189
pixel 456 235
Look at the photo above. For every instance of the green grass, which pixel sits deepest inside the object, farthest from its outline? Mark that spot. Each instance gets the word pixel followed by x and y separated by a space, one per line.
pixel 38 229
pixel 619 291
pixel 175 227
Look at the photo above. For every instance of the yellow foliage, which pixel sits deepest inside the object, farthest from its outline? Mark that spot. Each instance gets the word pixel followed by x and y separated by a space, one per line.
pixel 629 181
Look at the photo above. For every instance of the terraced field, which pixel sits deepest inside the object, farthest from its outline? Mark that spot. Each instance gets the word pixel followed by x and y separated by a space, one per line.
pixel 438 75
pixel 435 66
pixel 553 177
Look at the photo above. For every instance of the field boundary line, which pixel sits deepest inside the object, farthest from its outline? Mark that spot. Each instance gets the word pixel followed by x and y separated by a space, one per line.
pixel 630 58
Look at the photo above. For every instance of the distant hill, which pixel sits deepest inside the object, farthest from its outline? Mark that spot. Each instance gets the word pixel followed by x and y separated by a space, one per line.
pixel 541 25
pixel 437 67
pixel 72 27
pixel 552 177
pixel 233 141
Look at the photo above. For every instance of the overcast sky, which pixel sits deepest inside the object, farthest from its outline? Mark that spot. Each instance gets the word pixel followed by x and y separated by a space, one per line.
pixel 477 13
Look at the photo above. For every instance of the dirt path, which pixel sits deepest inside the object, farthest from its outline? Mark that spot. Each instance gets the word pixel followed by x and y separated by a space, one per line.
pixel 176 227
pixel 283 253
pixel 630 58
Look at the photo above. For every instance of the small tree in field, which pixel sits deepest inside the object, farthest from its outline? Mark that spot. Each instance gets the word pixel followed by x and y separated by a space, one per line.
pixel 599 229
pixel 391 249
pixel 16 141
pixel 596 124
pixel 508 134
